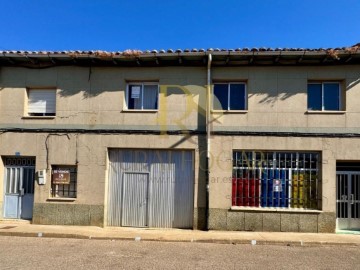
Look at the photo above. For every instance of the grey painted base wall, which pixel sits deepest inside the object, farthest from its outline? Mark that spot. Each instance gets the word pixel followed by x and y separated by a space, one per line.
pixel 199 219
pixel 68 214
pixel 87 215
pixel 219 219
pixel 222 219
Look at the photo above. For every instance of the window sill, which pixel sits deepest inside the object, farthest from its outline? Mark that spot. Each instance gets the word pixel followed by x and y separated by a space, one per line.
pixel 140 111
pixel 325 112
pixel 61 199
pixel 281 210
pixel 38 117
pixel 228 111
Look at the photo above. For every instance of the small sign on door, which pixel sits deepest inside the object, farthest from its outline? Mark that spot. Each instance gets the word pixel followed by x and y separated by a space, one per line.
pixel 277 187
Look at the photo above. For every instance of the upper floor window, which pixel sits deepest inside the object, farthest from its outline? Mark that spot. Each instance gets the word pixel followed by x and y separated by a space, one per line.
pixel 142 96
pixel 41 102
pixel 324 96
pixel 229 96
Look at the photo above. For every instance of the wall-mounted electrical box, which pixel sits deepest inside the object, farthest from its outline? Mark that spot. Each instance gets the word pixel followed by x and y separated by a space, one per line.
pixel 41 177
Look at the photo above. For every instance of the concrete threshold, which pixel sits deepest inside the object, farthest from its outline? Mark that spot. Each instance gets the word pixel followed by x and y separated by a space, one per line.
pixel 355 232
pixel 14 221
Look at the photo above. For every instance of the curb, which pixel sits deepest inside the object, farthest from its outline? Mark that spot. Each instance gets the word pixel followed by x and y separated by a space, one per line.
pixel 292 243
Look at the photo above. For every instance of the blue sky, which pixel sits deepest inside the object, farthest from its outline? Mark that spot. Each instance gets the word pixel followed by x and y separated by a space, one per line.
pixel 118 25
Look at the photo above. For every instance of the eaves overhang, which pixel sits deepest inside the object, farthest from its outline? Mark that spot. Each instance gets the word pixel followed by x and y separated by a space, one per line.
pixel 194 57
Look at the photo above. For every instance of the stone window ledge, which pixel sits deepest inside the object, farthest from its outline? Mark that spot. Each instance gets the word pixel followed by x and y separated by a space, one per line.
pixel 61 199
pixel 229 111
pixel 281 210
pixel 139 111
pixel 325 112
pixel 38 117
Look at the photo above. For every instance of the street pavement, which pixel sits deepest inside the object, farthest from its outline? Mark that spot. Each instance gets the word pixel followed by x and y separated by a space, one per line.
pixel 64 253
pixel 13 228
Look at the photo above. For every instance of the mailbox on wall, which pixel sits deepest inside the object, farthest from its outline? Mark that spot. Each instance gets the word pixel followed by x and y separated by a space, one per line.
pixel 41 175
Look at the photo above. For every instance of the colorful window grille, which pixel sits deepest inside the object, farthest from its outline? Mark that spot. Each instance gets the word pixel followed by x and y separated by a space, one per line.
pixel 276 179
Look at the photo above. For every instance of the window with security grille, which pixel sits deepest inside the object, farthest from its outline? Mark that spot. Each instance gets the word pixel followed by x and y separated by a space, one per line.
pixel 276 179
pixel 64 182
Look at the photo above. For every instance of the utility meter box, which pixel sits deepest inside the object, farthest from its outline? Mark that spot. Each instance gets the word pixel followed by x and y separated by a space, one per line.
pixel 41 177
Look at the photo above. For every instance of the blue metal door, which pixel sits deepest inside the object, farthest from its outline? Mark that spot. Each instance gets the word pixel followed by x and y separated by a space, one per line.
pixel 348 200
pixel 27 192
pixel 12 198
pixel 19 192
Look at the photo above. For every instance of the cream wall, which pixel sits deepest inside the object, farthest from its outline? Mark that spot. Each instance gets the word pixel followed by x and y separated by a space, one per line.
pixel 277 97
pixel 90 151
pixel 96 97
pixel 98 102
pixel 91 99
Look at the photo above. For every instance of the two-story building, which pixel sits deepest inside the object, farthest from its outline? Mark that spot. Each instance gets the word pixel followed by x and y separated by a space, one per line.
pixel 245 139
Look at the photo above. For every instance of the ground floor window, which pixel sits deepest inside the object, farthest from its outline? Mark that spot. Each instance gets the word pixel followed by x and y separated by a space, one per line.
pixel 63 181
pixel 276 179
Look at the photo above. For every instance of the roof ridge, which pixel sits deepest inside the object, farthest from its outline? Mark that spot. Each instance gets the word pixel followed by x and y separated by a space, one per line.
pixel 135 52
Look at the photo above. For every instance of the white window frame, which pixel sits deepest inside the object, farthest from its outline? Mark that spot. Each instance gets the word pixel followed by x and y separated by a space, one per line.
pixel 142 84
pixel 322 96
pixel 228 101
pixel 40 114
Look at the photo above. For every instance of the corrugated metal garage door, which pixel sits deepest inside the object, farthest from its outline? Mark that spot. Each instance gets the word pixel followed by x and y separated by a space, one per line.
pixel 135 199
pixel 152 188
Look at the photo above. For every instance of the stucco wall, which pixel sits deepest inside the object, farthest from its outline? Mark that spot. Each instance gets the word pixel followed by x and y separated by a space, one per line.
pixel 95 98
pixel 277 97
pixel 90 153
pixel 331 149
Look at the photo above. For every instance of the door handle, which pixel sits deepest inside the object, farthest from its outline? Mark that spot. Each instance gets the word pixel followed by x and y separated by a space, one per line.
pixel 352 199
pixel 22 192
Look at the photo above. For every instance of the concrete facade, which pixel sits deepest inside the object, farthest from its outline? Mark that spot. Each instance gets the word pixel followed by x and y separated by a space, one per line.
pixel 91 117
pixel 277 102
pixel 332 149
pixel 95 104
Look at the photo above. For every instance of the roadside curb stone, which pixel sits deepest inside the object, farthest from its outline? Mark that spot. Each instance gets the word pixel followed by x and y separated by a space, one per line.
pixel 174 239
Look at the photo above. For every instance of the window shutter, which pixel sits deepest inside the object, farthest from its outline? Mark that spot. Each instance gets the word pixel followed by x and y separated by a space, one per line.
pixel 42 101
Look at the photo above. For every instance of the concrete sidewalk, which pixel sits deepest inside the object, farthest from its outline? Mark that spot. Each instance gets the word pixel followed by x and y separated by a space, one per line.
pixel 20 228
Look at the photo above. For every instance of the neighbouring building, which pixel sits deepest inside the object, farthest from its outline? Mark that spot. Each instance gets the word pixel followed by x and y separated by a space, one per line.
pixel 246 139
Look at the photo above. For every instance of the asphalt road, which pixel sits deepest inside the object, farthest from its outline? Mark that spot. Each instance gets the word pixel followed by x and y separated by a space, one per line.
pixel 47 253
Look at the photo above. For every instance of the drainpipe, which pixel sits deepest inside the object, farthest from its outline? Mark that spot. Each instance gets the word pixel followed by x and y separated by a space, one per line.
pixel 208 115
